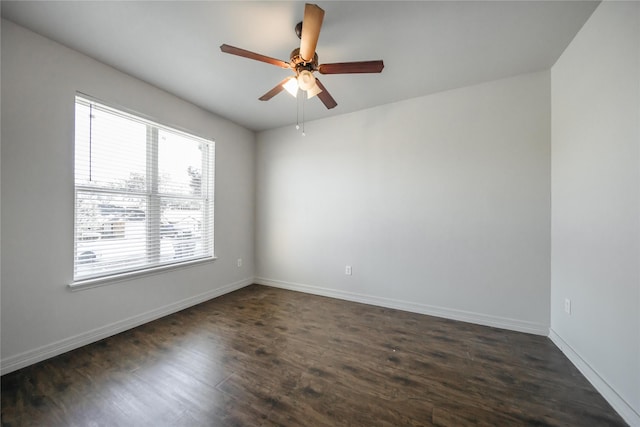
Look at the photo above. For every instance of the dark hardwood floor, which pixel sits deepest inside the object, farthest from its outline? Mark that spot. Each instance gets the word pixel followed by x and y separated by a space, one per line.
pixel 262 356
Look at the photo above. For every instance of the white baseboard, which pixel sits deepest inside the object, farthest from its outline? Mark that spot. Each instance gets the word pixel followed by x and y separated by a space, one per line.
pixel 448 313
pixel 621 406
pixel 30 357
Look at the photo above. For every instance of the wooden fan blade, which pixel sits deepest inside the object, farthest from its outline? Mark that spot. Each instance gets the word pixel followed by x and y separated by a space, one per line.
pixel 252 55
pixel 351 67
pixel 276 90
pixel 325 96
pixel 311 24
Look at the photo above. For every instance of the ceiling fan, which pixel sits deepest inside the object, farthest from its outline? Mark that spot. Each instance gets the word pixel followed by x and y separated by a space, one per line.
pixel 304 61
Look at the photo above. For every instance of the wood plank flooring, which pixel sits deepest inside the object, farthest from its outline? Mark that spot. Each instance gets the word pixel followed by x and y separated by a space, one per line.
pixel 262 356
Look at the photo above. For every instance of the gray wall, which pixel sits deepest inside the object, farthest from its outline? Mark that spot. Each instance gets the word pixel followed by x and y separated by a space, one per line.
pixel 440 204
pixel 40 316
pixel 596 203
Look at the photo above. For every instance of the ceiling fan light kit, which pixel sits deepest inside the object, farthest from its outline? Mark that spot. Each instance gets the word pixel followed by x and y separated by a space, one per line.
pixel 291 86
pixel 304 61
pixel 306 80
pixel 313 91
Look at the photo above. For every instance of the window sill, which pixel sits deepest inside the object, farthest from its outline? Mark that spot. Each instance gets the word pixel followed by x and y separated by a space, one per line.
pixel 117 278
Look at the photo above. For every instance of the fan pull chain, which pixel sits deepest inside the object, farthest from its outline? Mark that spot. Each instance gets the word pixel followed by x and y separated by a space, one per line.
pixel 304 101
pixel 297 113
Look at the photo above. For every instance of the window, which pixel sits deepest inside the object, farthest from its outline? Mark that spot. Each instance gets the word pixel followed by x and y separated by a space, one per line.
pixel 143 193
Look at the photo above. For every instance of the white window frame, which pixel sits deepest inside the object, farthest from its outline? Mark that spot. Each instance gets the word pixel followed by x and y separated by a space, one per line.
pixel 153 200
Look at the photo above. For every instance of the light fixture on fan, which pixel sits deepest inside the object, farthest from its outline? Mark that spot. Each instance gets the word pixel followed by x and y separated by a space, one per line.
pixel 313 91
pixel 305 81
pixel 291 86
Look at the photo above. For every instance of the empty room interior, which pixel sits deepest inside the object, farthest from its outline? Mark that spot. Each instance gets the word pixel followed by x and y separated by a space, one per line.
pixel 441 228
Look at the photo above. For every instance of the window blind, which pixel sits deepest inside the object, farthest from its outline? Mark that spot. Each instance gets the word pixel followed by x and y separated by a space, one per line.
pixel 143 193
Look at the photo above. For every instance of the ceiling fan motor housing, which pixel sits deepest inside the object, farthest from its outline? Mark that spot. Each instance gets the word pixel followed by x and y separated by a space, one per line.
pixel 299 64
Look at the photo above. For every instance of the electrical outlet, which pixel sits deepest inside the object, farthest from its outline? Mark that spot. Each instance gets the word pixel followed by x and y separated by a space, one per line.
pixel 239 262
pixel 347 270
pixel 567 305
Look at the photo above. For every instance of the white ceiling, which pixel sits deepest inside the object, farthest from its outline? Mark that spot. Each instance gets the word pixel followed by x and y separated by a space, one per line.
pixel 427 46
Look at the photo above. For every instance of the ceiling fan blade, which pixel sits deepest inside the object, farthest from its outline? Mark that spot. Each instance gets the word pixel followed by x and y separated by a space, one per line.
pixel 325 96
pixel 311 24
pixel 252 55
pixel 351 67
pixel 276 90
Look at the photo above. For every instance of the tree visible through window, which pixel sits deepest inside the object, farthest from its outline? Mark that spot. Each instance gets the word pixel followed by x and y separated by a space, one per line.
pixel 143 193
